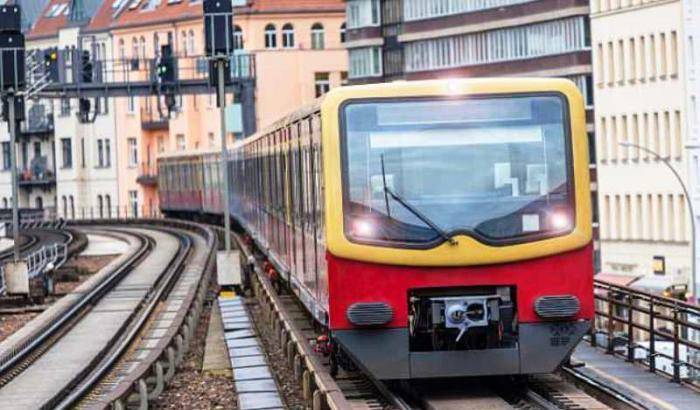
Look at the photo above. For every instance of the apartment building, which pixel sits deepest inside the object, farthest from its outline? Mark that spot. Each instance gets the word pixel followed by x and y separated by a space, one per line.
pixel 298 56
pixel 640 86
pixel 298 48
pixel 107 167
pixel 691 53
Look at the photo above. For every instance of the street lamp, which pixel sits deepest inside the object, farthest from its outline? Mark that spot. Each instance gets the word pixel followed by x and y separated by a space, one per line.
pixel 666 162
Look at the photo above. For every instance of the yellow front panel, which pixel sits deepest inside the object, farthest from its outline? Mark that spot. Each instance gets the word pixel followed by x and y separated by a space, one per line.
pixel 468 251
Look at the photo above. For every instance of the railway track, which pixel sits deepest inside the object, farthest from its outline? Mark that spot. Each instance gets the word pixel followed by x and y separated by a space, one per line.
pixel 294 328
pixel 105 343
pixel 34 239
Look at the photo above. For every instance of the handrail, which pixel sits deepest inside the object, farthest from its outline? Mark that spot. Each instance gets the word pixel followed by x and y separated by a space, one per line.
pixel 659 332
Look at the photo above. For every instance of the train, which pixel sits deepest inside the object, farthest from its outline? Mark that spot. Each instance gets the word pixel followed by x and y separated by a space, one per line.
pixel 434 228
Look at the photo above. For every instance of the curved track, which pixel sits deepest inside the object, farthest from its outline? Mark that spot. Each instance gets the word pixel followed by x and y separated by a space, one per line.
pixel 61 361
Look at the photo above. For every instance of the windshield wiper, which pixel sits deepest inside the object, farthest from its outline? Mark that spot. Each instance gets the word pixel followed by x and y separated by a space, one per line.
pixel 388 191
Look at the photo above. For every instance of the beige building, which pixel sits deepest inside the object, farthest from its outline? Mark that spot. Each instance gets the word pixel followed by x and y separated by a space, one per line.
pixel 640 94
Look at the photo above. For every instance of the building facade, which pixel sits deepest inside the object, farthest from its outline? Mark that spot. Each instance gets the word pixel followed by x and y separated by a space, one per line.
pixel 691 53
pixel 108 166
pixel 297 56
pixel 641 88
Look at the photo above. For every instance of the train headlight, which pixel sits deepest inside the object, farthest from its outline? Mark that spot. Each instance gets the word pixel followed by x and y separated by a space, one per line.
pixel 362 227
pixel 560 220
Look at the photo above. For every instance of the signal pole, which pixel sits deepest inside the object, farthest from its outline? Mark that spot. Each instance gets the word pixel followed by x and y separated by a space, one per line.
pixel 13 164
pixel 221 66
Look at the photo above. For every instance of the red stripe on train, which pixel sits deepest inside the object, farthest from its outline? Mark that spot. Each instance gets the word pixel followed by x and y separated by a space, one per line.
pixel 351 281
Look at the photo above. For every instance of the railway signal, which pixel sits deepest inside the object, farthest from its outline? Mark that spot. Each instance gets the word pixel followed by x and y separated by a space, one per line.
pixel 166 65
pixel 51 64
pixel 86 66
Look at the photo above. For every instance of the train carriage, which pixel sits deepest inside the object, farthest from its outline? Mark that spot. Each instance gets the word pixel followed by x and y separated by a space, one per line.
pixel 180 183
pixel 212 202
pixel 437 228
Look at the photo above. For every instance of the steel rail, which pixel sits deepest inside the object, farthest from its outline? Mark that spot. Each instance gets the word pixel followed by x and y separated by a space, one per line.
pixel 83 382
pixel 170 349
pixel 38 340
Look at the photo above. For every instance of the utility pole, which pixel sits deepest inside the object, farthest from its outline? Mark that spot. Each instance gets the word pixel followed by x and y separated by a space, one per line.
pixel 12 87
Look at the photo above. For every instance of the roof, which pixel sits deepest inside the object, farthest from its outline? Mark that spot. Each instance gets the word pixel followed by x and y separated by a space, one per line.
pixel 108 14
pixel 144 12
pixel 47 23
pixel 281 6
pixel 55 16
pixel 31 10
pixel 102 18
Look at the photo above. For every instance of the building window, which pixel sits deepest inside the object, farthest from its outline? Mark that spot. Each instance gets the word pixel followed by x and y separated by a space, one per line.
pixel 318 36
pixel 515 43
pixel 108 205
pixel 72 206
pixel 180 142
pixel 156 45
pixel 425 9
pixel 134 54
pixel 65 106
pixel 288 36
pixel 108 154
pixel 100 206
pixel 161 144
pixel 66 153
pixel 191 43
pixel 134 203
pixel 82 152
pixel 122 50
pixel 322 84
pixel 100 153
pixel 365 62
pixel 133 152
pixel 212 142
pixel 343 32
pixel 39 202
pixel 363 13
pixel 6 160
pixel 237 38
pixel 270 36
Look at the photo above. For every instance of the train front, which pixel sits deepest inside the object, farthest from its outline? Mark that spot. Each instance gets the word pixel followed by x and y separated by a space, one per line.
pixel 458 226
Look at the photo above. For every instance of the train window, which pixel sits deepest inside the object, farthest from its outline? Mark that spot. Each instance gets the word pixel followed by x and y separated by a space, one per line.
pixel 419 171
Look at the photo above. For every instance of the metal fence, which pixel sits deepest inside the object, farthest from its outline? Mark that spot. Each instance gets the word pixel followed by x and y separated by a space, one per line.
pixel 658 332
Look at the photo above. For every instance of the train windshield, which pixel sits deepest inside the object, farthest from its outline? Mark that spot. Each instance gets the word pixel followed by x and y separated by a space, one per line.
pixel 420 171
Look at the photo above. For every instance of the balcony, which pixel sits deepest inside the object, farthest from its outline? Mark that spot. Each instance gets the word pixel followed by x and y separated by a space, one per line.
pixel 148 174
pixel 45 179
pixel 151 120
pixel 39 123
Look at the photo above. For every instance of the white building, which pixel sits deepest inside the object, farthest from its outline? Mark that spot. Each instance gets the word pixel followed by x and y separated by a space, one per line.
pixel 691 53
pixel 640 92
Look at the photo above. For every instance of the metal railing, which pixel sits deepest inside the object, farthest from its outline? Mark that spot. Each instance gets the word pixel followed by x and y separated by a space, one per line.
pixel 47 258
pixel 658 332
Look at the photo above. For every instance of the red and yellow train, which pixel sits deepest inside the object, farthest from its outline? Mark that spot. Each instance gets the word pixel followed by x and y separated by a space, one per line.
pixel 436 229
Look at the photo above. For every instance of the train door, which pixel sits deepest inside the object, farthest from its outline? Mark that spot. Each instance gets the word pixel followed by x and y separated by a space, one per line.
pixel 319 204
pixel 307 212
